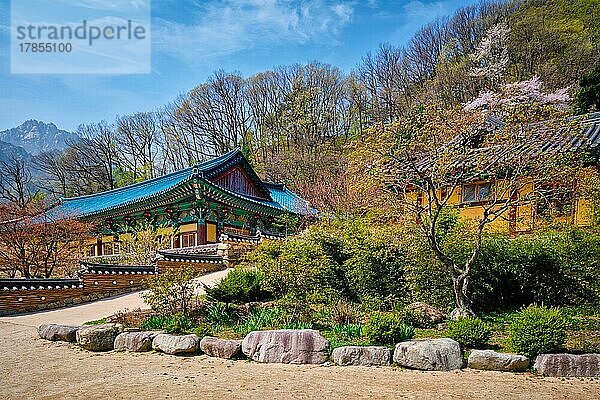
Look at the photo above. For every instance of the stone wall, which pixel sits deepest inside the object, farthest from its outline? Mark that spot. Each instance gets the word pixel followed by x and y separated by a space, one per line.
pixel 233 251
pixel 90 287
pixel 200 267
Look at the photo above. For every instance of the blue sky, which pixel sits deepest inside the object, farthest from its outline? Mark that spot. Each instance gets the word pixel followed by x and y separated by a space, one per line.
pixel 191 39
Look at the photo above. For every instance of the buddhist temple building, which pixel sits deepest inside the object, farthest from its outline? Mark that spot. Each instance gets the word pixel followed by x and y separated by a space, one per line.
pixel 221 196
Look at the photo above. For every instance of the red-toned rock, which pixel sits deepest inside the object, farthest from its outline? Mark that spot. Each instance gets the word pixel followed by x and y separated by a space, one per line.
pixel 305 346
pixel 568 364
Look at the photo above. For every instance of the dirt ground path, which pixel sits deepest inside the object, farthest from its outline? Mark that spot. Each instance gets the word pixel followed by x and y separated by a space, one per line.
pixel 32 368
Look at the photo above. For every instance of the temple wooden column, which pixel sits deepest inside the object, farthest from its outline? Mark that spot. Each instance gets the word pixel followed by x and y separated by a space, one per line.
pixel 201 232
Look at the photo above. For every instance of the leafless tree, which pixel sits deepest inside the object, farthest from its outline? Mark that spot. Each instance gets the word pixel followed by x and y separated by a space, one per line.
pixel 15 182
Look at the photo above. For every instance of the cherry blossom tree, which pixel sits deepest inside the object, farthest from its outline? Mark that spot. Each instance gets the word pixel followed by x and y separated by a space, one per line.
pixel 490 58
pixel 425 157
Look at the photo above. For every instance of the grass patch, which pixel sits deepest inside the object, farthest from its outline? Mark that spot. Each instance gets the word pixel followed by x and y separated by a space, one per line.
pixel 345 335
pixel 96 322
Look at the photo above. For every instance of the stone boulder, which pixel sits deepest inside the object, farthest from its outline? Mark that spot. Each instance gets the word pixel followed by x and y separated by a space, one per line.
pixel 304 346
pixel 429 354
pixel 365 356
pixel 432 315
pixel 64 333
pixel 494 361
pixel 98 337
pixel 222 348
pixel 172 344
pixel 134 341
pixel 568 364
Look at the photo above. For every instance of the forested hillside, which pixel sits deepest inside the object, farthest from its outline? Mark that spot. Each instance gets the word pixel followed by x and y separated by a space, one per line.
pixel 294 122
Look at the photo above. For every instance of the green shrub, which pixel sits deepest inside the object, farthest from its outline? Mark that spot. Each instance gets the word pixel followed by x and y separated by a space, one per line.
pixel 471 333
pixel 335 260
pixel 347 331
pixel 202 330
pixel 260 319
pixel 556 268
pixel 345 335
pixel 219 316
pixel 154 323
pixel 239 286
pixel 384 267
pixel 171 292
pixel 535 330
pixel 179 324
pixel 296 267
pixel 387 328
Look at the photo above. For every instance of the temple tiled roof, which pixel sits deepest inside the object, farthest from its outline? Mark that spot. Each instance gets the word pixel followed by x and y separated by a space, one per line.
pixel 289 200
pixel 104 201
pixel 178 185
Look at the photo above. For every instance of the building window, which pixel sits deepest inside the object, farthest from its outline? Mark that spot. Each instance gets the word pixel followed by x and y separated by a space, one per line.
pixel 92 250
pixel 476 192
pixel 107 249
pixel 188 239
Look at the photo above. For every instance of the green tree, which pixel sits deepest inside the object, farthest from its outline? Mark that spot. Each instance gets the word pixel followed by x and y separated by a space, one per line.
pixel 588 96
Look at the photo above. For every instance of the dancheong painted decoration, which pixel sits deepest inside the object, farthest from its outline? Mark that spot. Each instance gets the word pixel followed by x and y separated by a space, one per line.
pixel 221 195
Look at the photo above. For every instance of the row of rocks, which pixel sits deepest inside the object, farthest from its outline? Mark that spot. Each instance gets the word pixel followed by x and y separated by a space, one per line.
pixel 307 346
pixel 110 336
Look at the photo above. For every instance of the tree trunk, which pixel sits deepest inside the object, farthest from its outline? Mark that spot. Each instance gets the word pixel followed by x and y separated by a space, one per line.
pixel 463 303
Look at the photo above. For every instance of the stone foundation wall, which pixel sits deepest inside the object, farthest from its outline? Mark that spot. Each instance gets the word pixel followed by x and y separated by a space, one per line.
pixel 233 251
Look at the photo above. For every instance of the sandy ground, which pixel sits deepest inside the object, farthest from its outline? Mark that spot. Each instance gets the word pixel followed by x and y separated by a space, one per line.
pixel 32 368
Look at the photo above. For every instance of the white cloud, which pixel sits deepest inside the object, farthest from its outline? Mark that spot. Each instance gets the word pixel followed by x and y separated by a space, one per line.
pixel 427 10
pixel 230 26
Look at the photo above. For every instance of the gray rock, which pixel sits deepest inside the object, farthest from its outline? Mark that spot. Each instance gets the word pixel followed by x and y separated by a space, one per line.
pixel 98 337
pixel 134 341
pixel 433 315
pixel 65 333
pixel 494 361
pixel 366 356
pixel 305 346
pixel 222 348
pixel 568 364
pixel 429 354
pixel 172 344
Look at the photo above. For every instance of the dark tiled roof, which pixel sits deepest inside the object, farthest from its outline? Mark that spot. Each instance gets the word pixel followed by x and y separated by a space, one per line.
pixel 277 196
pixel 589 134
